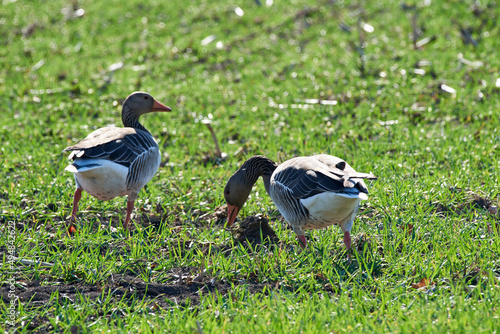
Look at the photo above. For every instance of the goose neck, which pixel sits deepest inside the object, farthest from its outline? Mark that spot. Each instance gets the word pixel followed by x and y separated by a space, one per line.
pixel 259 166
pixel 131 119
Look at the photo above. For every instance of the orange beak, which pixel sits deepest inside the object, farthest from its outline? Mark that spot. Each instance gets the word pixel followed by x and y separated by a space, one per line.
pixel 232 212
pixel 157 106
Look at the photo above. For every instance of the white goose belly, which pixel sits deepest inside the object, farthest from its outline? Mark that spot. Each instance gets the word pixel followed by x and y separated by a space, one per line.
pixel 330 208
pixel 105 180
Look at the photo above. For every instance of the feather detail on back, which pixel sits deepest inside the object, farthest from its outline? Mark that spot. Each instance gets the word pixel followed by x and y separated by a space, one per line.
pixel 120 145
pixel 309 176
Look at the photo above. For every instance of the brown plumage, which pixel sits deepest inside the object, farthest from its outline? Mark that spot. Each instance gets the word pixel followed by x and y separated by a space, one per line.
pixel 310 192
pixel 115 161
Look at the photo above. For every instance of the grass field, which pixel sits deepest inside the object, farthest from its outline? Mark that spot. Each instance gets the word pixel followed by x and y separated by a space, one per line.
pixel 409 91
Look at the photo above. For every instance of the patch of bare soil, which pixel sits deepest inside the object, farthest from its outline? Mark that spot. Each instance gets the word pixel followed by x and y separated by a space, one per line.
pixel 174 293
pixel 186 290
pixel 218 216
pixel 472 201
pixel 256 230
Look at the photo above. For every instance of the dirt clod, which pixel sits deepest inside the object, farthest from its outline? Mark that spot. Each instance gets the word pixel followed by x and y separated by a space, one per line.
pixel 256 229
pixel 219 216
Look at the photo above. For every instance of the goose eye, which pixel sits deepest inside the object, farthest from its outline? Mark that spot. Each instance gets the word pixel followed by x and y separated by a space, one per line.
pixel 145 97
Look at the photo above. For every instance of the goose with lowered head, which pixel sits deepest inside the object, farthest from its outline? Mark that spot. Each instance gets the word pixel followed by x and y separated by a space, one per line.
pixel 310 192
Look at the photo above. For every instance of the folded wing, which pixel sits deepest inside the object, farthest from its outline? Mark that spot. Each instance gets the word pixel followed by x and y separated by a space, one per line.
pixel 120 145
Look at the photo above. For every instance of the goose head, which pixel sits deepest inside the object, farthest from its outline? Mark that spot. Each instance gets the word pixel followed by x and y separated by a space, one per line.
pixel 139 103
pixel 236 194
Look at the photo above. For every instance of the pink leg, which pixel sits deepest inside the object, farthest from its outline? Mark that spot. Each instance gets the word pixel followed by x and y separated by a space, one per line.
pixel 347 240
pixel 130 208
pixel 347 243
pixel 302 241
pixel 76 198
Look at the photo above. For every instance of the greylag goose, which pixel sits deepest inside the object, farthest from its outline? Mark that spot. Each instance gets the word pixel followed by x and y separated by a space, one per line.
pixel 115 161
pixel 310 192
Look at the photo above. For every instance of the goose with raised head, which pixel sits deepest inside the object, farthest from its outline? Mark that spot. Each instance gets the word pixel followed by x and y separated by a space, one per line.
pixel 310 192
pixel 117 161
